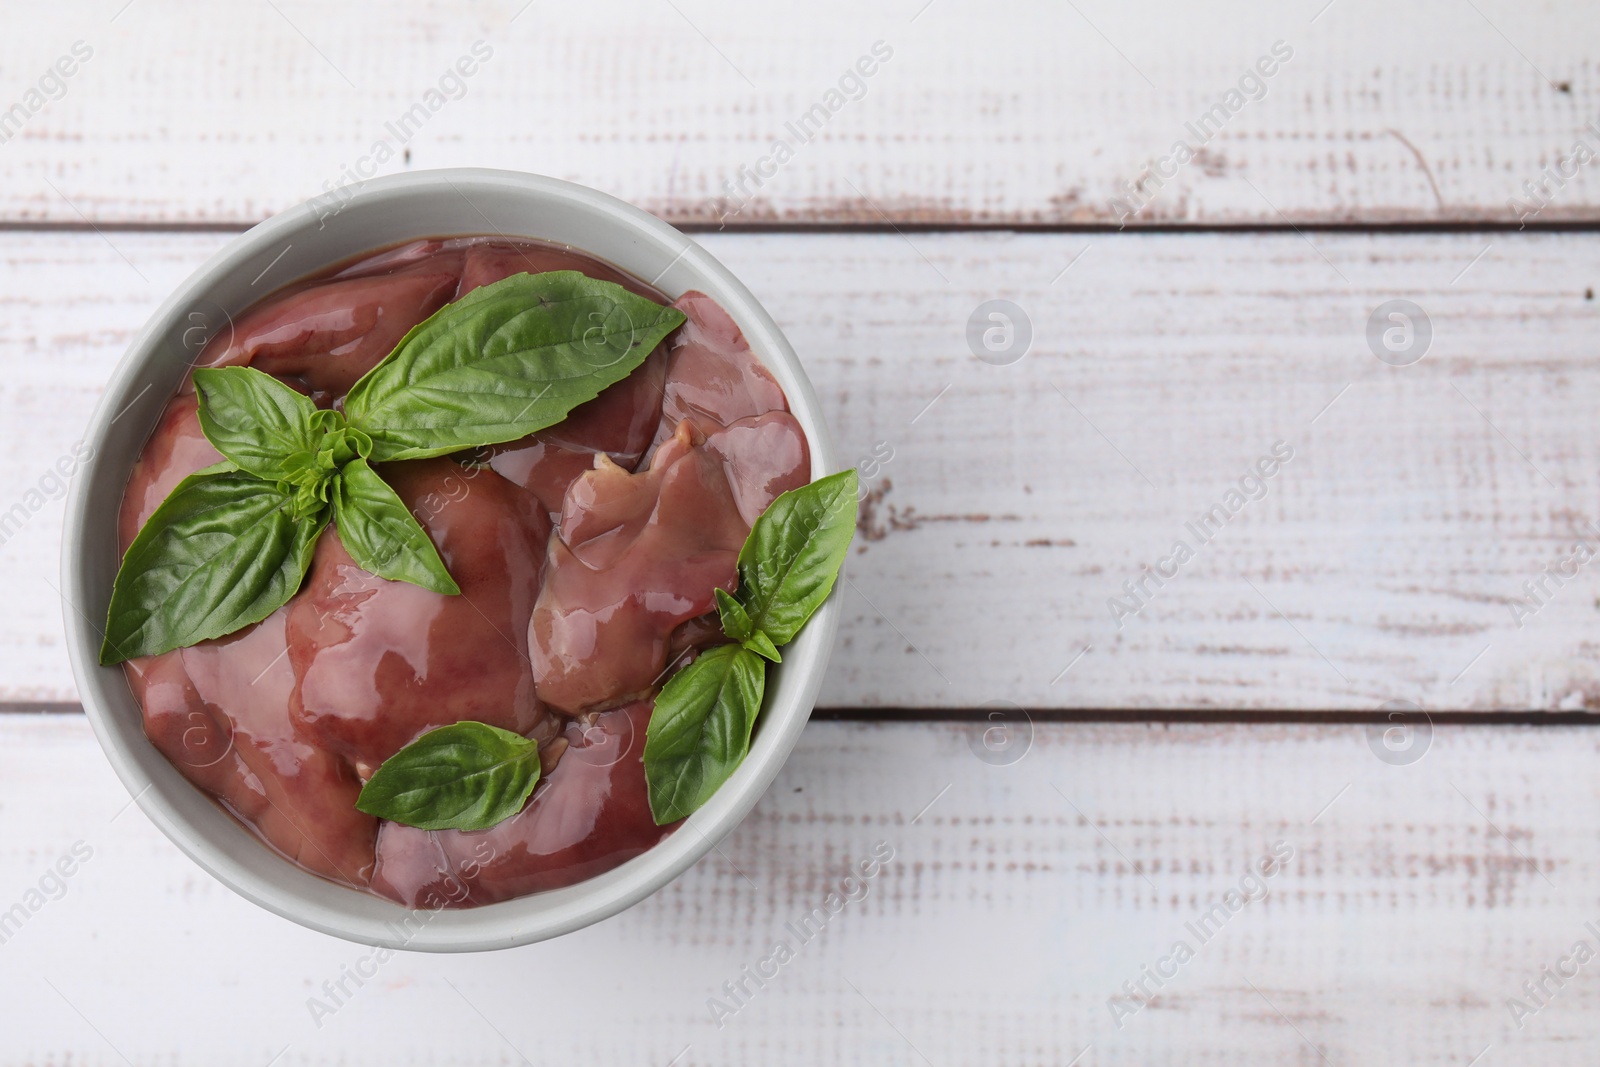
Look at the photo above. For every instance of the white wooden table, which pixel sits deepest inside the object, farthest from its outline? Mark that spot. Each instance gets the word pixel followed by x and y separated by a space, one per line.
pixel 1149 760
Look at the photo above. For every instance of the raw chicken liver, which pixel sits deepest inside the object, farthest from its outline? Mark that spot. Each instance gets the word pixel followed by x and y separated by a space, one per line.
pixel 587 555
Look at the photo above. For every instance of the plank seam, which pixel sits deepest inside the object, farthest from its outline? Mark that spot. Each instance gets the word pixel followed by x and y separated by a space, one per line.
pixel 1094 715
pixel 953 227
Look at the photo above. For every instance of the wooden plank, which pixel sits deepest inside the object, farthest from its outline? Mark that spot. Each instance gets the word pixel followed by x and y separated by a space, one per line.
pixel 1383 563
pixel 1416 901
pixel 1004 112
pixel 1021 498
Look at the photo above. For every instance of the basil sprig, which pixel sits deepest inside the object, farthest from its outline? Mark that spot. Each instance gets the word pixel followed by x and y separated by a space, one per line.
pixel 232 544
pixel 471 775
pixel 465 776
pixel 700 727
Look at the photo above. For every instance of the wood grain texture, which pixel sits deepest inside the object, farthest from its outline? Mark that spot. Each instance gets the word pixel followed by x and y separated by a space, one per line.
pixel 1019 899
pixel 1004 112
pixel 1383 562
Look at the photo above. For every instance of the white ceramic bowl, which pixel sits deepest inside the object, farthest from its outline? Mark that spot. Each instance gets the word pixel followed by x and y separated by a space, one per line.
pixel 302 241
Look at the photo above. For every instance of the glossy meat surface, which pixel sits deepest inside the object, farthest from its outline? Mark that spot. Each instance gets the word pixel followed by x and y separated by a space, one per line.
pixel 715 383
pixel 218 711
pixel 712 378
pixel 377 663
pixel 325 338
pixel 638 555
pixel 176 450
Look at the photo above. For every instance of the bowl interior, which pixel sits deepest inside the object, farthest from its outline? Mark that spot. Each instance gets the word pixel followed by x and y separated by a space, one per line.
pixel 306 240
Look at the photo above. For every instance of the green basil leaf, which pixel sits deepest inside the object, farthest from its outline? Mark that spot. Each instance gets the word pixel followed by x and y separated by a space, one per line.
pixel 466 776
pixel 381 535
pixel 255 420
pixel 700 729
pixel 221 552
pixel 759 643
pixel 792 557
pixel 736 624
pixel 505 360
pixel 735 621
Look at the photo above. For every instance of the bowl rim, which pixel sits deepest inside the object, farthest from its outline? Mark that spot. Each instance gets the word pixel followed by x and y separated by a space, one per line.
pixel 282 887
